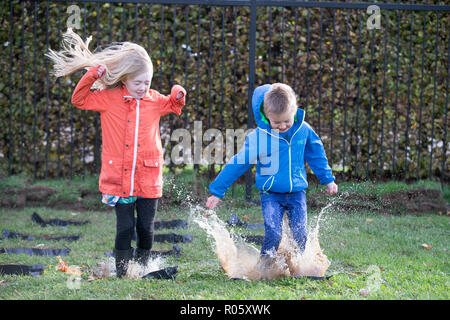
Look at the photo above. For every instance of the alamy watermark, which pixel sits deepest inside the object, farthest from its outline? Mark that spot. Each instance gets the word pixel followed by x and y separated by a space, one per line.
pixel 373 281
pixel 73 282
pixel 374 21
pixel 73 22
pixel 252 146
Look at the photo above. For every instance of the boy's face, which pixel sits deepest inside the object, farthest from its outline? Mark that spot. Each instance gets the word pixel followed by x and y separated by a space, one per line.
pixel 138 86
pixel 282 122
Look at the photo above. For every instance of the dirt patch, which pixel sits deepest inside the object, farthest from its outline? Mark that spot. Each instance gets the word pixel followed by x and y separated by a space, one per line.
pixel 35 196
pixel 16 198
pixel 346 201
pixel 417 201
pixel 12 199
pixel 37 193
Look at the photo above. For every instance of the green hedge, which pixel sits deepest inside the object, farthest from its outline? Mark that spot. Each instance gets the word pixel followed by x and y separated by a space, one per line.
pixel 43 134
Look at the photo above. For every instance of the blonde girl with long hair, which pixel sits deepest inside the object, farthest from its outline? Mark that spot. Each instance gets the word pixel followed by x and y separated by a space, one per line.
pixel 132 157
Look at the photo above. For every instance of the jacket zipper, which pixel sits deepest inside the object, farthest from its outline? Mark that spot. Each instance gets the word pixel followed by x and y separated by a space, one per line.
pixel 290 178
pixel 290 156
pixel 289 145
pixel 136 131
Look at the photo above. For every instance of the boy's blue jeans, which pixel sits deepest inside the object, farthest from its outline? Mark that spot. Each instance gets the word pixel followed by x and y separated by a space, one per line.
pixel 273 207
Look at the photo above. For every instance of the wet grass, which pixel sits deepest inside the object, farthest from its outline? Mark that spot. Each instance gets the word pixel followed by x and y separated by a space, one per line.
pixel 357 243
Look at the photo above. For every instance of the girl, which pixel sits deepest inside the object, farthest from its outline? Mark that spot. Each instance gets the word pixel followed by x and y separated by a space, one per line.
pixel 132 157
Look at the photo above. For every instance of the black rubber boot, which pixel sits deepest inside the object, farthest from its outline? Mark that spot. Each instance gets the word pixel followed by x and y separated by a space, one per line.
pixel 122 259
pixel 142 256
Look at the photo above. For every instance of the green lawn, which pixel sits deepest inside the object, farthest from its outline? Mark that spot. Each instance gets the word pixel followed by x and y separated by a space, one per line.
pixel 356 242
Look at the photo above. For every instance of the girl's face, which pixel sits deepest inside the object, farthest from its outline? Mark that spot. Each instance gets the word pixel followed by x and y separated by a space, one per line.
pixel 139 85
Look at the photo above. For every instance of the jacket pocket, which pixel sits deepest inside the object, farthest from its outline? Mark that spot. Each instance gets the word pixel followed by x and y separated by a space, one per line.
pixel 152 170
pixel 111 173
pixel 268 184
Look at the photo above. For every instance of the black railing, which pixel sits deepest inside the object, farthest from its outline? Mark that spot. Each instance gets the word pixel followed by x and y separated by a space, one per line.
pixel 377 97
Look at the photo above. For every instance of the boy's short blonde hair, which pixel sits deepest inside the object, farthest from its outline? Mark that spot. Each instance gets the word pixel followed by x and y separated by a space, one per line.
pixel 280 98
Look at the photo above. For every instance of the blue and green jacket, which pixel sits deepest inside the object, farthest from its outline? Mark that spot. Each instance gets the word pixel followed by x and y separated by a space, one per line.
pixel 279 157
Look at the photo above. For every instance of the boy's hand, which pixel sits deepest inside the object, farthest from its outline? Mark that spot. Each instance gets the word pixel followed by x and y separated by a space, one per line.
pixel 212 202
pixel 332 188
pixel 100 71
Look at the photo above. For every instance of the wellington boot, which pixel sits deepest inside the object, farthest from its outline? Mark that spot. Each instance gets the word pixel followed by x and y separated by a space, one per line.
pixel 142 256
pixel 122 259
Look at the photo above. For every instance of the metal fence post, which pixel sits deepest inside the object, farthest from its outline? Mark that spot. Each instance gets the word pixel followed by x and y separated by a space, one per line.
pixel 251 85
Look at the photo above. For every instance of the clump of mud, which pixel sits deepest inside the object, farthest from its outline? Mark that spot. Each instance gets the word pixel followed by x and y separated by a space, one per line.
pixel 240 259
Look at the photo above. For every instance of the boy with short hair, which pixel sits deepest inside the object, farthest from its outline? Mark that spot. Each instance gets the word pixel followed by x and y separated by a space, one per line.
pixel 279 146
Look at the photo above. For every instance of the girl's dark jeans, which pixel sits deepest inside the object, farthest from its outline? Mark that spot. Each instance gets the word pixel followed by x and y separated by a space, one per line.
pixel 273 207
pixel 146 210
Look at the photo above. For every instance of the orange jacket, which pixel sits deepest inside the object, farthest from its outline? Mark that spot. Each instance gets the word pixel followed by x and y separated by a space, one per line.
pixel 132 156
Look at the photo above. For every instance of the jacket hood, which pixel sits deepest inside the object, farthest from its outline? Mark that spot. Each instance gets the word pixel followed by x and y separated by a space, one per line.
pixel 258 112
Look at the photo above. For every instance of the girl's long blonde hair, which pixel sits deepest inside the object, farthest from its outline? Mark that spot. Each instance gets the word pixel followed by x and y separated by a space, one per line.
pixel 122 60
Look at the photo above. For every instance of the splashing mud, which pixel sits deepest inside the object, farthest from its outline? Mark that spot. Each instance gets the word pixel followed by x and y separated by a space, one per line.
pixel 240 259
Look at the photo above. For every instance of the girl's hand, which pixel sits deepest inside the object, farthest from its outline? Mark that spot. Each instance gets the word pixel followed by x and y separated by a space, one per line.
pixel 212 202
pixel 179 95
pixel 180 92
pixel 332 188
pixel 100 71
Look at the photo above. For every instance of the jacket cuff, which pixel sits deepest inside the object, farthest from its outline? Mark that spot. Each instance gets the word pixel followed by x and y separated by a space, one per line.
pixel 327 180
pixel 214 192
pixel 93 72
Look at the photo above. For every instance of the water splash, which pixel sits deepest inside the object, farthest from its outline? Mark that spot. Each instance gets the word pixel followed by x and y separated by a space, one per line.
pixel 136 271
pixel 107 268
pixel 237 257
pixel 240 259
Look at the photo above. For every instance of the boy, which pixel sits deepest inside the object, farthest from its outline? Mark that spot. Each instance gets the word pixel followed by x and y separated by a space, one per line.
pixel 279 146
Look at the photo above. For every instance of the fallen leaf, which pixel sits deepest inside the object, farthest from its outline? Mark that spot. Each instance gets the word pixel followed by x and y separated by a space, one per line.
pixel 330 283
pixel 63 267
pixel 426 246
pixel 369 220
pixel 246 218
